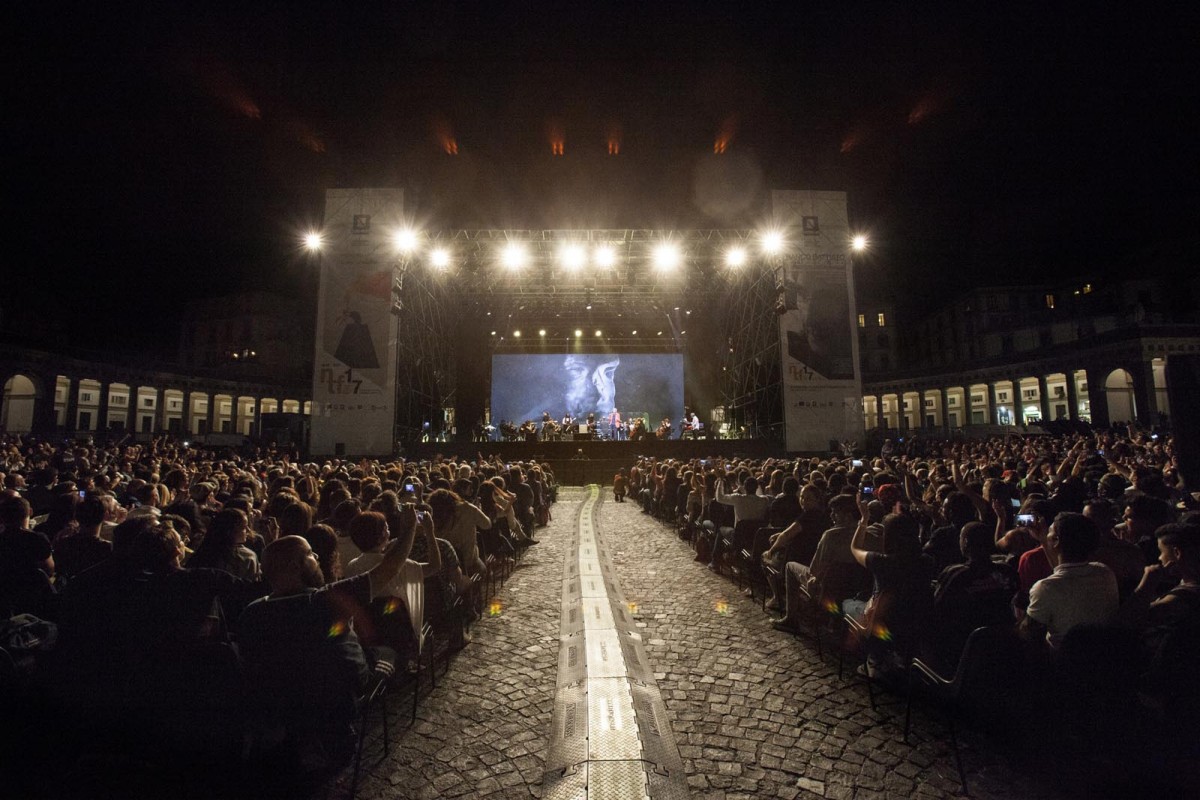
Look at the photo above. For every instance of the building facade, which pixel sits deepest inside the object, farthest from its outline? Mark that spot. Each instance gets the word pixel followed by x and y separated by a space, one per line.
pixel 46 392
pixel 1013 356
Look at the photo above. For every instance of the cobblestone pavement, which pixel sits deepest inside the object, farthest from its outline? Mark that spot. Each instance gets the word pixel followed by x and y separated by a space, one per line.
pixel 755 712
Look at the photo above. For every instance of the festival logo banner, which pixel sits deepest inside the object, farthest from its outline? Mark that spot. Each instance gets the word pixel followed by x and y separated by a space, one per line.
pixel 822 385
pixel 354 371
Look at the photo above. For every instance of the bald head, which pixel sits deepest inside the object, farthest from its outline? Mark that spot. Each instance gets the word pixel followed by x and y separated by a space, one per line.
pixel 289 565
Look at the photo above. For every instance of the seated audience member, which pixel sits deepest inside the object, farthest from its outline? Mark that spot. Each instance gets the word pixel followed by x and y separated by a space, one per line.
pixel 324 543
pixel 1143 516
pixel 747 504
pixel 84 548
pixel 224 546
pixel 303 660
pixel 798 541
pixel 1168 596
pixel 1034 564
pixel 139 608
pixel 832 550
pixel 456 521
pixel 1124 558
pixel 944 545
pixel 785 507
pixel 899 602
pixel 1077 592
pixel 26 563
pixel 371 534
pixel 971 595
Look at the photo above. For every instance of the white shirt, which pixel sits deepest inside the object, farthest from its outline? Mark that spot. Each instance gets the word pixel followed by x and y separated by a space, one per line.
pixel 1074 594
pixel 745 506
pixel 409 584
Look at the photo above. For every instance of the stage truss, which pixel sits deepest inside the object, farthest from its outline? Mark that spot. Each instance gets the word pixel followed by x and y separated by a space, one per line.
pixel 475 301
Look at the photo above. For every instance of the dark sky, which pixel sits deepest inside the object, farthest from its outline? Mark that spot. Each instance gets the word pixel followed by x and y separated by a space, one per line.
pixel 156 154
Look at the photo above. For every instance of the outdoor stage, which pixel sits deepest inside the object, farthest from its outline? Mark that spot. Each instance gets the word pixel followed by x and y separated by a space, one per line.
pixel 579 463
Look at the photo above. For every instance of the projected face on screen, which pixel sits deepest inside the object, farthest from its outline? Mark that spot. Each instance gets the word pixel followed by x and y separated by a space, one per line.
pixel 578 384
pixel 591 383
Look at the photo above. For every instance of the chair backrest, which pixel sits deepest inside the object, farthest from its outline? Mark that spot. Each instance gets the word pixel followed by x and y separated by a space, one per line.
pixel 990 668
pixel 843 580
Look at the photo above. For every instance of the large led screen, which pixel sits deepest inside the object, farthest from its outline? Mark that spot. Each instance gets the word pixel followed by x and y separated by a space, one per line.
pixel 648 386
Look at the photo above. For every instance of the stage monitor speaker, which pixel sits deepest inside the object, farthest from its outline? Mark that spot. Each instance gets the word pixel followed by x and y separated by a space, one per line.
pixel 583 428
pixel 1183 392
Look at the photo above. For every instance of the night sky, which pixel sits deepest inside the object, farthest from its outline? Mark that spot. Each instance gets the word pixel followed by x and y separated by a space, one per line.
pixel 158 154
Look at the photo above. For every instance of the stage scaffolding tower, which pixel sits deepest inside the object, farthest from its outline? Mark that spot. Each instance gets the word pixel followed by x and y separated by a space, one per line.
pixel 425 374
pixel 751 383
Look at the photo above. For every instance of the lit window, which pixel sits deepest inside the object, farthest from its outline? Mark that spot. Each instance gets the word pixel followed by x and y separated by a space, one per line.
pixel 882 320
pixel 862 320
pixel 1049 301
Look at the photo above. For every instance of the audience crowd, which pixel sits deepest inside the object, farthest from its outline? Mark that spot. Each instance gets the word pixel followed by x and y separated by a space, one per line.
pixel 156 594
pixel 1083 549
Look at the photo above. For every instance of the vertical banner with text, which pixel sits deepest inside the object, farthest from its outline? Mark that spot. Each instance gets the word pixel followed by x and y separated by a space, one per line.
pixel 822 385
pixel 354 374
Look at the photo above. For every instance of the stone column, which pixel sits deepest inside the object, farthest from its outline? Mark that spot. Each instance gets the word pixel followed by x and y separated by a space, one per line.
pixel 131 408
pixel 1044 399
pixel 1018 413
pixel 212 411
pixel 1072 396
pixel 102 409
pixel 160 410
pixel 992 414
pixel 43 404
pixel 879 415
pixel 1098 398
pixel 256 426
pixel 945 400
pixel 1144 394
pixel 185 420
pixel 71 415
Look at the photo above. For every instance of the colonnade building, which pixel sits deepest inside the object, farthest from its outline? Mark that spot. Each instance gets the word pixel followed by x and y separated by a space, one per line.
pixel 1014 356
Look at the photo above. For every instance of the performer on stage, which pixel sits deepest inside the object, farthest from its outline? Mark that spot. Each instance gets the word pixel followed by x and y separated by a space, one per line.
pixel 693 425
pixel 664 429
pixel 614 425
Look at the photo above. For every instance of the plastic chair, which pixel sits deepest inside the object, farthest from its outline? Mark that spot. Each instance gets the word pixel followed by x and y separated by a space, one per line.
pixel 991 660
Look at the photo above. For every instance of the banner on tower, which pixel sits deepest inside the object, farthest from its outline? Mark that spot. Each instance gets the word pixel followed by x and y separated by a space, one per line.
pixel 822 385
pixel 354 383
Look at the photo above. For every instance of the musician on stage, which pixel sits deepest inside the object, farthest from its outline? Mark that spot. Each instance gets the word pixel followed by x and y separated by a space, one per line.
pixel 664 429
pixel 692 424
pixel 547 426
pixel 614 425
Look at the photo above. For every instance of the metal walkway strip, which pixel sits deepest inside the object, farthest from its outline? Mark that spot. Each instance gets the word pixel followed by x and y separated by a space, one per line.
pixel 610 736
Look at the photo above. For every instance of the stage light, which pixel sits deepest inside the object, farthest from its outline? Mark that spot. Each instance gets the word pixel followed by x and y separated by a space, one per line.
pixel 598 333
pixel 660 333
pixel 772 242
pixel 440 258
pixel 516 334
pixel 634 333
pixel 573 256
pixel 605 256
pixel 406 240
pixel 859 243
pixel 493 333
pixel 666 256
pixel 735 256
pixel 588 306
pixel 514 255
pixel 578 333
pixel 312 240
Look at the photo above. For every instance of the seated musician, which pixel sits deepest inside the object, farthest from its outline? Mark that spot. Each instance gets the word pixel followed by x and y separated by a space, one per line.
pixel 664 429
